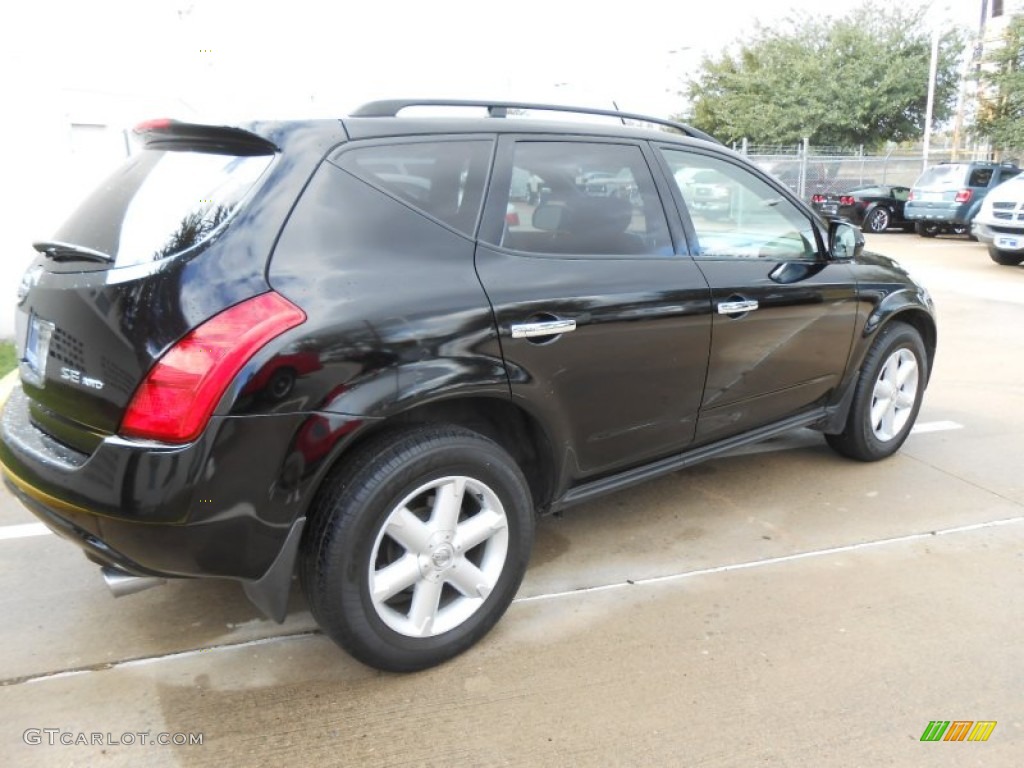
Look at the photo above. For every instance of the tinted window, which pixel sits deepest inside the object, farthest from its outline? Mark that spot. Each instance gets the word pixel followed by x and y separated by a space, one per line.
pixel 585 199
pixel 737 215
pixel 980 177
pixel 1008 173
pixel 444 179
pixel 162 202
pixel 943 176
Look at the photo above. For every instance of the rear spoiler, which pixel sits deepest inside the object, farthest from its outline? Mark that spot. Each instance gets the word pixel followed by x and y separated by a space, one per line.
pixel 164 133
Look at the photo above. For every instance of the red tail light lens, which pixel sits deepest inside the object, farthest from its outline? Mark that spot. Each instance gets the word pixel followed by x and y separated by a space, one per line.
pixel 847 200
pixel 910 195
pixel 156 124
pixel 817 198
pixel 963 196
pixel 176 399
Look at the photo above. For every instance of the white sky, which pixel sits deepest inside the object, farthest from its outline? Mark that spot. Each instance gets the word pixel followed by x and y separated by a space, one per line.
pixel 296 57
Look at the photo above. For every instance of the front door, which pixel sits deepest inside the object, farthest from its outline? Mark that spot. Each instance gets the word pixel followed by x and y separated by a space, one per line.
pixel 783 311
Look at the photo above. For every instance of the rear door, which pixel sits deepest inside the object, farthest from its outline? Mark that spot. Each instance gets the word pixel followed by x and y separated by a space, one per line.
pixel 783 312
pixel 603 321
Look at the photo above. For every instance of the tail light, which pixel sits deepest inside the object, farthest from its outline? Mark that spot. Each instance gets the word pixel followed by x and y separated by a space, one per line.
pixel 847 200
pixel 156 124
pixel 818 198
pixel 963 196
pixel 176 399
pixel 910 196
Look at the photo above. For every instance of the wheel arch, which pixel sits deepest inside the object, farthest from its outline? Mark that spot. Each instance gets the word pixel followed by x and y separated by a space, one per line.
pixel 513 428
pixel 912 312
pixel 903 307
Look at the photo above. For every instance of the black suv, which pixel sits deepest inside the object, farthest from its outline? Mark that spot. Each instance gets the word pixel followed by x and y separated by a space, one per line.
pixel 344 349
pixel 948 196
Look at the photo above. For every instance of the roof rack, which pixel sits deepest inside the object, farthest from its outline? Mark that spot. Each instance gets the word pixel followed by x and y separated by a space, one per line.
pixel 391 108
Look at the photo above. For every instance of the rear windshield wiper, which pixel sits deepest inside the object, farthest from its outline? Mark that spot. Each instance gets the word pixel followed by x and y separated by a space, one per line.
pixel 67 252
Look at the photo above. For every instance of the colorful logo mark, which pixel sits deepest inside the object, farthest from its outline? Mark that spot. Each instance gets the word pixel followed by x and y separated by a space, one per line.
pixel 958 730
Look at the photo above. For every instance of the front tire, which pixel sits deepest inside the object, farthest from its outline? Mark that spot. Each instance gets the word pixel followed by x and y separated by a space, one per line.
pixel 418 546
pixel 878 220
pixel 888 396
pixel 1005 258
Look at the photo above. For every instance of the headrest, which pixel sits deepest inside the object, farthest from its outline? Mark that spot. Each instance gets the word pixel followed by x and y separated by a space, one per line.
pixel 597 215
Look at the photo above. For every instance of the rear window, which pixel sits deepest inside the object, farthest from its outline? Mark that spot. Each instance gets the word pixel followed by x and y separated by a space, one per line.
pixel 943 176
pixel 161 203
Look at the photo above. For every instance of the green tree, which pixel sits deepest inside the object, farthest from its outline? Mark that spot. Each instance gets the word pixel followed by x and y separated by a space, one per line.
pixel 1000 116
pixel 860 79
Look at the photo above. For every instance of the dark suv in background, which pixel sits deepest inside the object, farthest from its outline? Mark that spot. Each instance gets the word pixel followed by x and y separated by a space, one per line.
pixel 357 351
pixel 948 196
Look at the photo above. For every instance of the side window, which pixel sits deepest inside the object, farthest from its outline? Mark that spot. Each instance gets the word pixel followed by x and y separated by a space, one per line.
pixel 901 194
pixel 585 199
pixel 736 214
pixel 444 179
pixel 1008 173
pixel 980 177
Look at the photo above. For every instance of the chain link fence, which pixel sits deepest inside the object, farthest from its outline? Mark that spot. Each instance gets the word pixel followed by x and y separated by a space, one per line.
pixel 810 170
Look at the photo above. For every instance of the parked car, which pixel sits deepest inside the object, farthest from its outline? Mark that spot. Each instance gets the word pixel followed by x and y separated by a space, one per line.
pixel 873 209
pixel 948 196
pixel 452 372
pixel 704 192
pixel 1000 222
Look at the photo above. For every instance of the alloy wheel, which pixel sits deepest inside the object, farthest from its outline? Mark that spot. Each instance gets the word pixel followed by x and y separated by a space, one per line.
pixel 894 394
pixel 438 556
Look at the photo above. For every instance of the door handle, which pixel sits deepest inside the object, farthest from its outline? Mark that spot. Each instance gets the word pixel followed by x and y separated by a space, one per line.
pixel 542 328
pixel 736 307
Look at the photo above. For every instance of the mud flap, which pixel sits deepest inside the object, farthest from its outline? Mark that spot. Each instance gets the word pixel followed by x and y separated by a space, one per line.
pixel 270 592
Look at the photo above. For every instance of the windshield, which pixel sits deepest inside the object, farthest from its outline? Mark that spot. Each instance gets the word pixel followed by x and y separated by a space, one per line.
pixel 161 203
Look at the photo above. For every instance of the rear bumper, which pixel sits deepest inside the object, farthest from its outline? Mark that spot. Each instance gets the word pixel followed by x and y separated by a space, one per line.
pixel 948 213
pixel 220 507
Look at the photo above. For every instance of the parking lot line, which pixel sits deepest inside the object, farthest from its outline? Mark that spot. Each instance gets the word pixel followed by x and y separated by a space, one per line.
pixel 23 531
pixel 924 427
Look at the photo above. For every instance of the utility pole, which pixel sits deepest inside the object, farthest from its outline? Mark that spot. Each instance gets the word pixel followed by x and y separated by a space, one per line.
pixel 930 106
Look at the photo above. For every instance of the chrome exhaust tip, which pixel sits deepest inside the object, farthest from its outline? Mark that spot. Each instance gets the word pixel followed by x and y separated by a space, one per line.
pixel 121 583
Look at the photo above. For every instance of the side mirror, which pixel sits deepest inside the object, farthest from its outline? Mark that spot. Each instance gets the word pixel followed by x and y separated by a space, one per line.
pixel 845 241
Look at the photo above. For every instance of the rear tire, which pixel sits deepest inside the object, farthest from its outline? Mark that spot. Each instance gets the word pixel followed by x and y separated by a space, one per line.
pixel 888 396
pixel 1005 258
pixel 927 229
pixel 417 546
pixel 878 220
